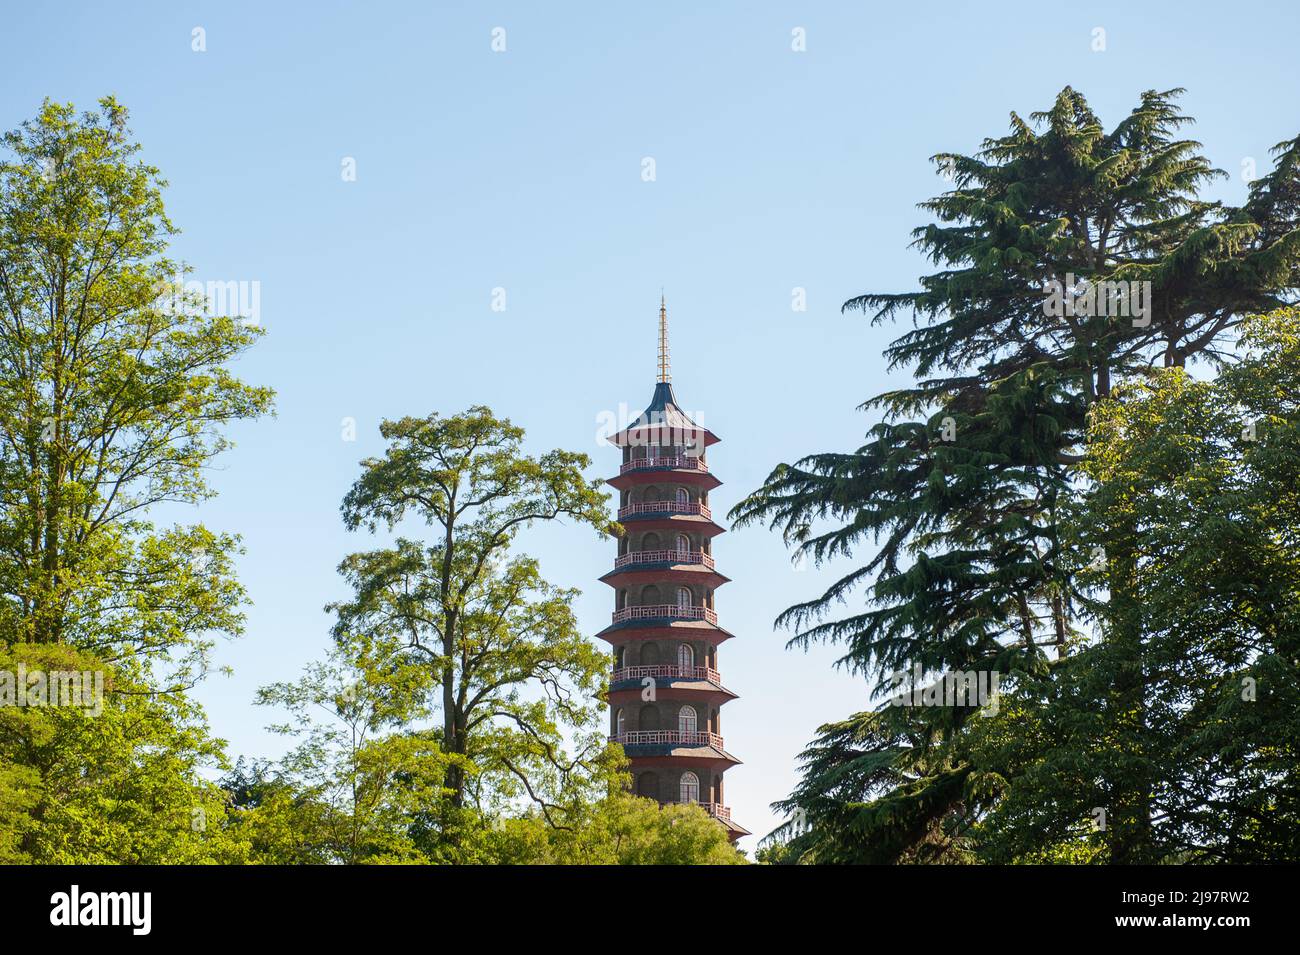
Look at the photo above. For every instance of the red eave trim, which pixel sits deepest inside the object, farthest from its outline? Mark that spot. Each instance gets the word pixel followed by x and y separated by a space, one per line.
pixel 674 573
pixel 624 437
pixel 712 694
pixel 665 522
pixel 722 762
pixel 702 479
pixel 627 632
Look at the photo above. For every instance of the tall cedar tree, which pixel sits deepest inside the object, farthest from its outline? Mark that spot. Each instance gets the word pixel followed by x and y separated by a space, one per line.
pixel 963 482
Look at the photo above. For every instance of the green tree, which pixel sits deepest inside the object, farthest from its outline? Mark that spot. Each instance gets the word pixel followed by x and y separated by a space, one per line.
pixel 1203 474
pixel 621 829
pixel 112 401
pixel 462 629
pixel 120 780
pixel 355 778
pixel 964 483
pixel 279 821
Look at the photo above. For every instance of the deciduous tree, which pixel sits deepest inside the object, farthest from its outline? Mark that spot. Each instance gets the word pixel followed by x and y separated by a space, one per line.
pixel 112 401
pixel 500 660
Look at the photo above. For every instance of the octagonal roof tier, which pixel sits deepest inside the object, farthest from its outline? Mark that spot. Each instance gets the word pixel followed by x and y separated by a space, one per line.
pixel 664 424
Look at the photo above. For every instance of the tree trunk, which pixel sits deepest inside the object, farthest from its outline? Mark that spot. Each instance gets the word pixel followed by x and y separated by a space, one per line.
pixel 1129 816
pixel 453 737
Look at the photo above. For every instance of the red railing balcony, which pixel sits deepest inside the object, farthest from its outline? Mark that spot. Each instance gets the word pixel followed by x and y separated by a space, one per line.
pixel 715 809
pixel 661 737
pixel 683 462
pixel 674 611
pixel 664 557
pixel 667 670
pixel 663 507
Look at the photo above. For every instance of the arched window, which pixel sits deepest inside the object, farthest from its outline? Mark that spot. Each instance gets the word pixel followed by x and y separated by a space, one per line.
pixel 683 597
pixel 620 723
pixel 690 788
pixel 683 545
pixel 682 496
pixel 647 784
pixel 686 719
pixel 649 718
pixel 686 657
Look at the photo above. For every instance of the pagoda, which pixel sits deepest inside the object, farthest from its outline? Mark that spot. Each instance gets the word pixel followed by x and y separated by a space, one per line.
pixel 666 693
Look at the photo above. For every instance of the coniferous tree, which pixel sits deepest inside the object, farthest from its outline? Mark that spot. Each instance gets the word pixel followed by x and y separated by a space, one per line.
pixel 964 482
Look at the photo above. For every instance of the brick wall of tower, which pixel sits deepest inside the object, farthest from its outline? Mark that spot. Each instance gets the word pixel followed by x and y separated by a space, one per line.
pixel 707 716
pixel 667 783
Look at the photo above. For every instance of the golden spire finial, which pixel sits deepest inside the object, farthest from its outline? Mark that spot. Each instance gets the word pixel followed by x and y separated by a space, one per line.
pixel 663 340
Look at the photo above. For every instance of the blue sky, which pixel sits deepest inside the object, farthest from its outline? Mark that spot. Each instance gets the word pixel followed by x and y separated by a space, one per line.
pixel 522 170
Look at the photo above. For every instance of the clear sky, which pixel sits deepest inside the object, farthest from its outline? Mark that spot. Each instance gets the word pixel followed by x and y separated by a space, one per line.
pixel 523 170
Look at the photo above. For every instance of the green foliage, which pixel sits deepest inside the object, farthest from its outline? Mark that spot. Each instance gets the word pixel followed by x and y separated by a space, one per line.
pixel 354 777
pixel 1202 475
pixel 781 853
pixel 361 787
pixel 1059 194
pixel 883 787
pixel 969 482
pixel 621 829
pixel 280 824
pixel 111 401
pixel 506 665
pixel 460 686
pixel 124 784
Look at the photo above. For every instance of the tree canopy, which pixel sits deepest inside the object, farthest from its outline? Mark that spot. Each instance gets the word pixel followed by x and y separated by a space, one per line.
pixel 112 402
pixel 967 485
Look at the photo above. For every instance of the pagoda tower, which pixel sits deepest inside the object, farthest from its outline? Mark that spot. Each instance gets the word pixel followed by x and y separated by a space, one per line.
pixel 666 692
